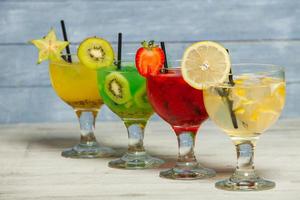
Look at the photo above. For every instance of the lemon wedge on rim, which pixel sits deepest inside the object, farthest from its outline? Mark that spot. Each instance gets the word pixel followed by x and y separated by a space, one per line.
pixel 205 63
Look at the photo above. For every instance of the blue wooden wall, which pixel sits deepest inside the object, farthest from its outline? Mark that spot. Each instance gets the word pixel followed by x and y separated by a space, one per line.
pixel 263 31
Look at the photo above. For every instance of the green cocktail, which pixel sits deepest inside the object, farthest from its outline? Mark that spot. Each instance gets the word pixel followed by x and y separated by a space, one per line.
pixel 124 92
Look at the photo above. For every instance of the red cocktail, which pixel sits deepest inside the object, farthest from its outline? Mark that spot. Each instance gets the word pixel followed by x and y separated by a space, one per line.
pixel 176 102
pixel 182 107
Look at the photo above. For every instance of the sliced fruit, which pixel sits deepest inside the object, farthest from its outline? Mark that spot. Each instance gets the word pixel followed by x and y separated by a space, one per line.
pixel 49 47
pixel 205 63
pixel 277 86
pixel 141 98
pixel 95 53
pixel 117 88
pixel 149 59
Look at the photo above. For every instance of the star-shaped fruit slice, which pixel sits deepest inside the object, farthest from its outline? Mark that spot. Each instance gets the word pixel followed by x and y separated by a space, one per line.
pixel 49 47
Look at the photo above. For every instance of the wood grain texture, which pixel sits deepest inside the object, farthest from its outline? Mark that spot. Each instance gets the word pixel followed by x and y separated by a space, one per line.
pixel 31 166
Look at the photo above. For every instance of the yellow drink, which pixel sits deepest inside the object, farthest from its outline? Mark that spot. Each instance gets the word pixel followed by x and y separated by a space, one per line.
pixel 254 102
pixel 75 84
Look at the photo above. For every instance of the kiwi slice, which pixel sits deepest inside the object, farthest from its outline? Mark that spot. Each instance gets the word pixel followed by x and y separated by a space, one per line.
pixel 117 88
pixel 141 98
pixel 95 53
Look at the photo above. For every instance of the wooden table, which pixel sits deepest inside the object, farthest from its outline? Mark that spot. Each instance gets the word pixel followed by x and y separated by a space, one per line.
pixel 32 168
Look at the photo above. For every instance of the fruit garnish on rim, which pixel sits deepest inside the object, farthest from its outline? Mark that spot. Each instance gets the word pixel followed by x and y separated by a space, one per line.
pixel 49 47
pixel 95 53
pixel 149 58
pixel 208 63
pixel 204 63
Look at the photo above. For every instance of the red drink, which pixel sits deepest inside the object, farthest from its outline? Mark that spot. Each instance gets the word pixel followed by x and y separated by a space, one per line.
pixel 176 102
pixel 182 107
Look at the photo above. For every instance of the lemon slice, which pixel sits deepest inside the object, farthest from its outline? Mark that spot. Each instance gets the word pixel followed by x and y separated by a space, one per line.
pixel 205 63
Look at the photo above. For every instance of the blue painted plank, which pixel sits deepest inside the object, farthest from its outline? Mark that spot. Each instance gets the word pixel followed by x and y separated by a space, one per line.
pixel 170 20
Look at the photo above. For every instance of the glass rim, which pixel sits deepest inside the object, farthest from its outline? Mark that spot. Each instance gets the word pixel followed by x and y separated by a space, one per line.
pixel 172 68
pixel 110 69
pixel 239 64
pixel 259 64
pixel 258 74
pixel 269 69
pixel 273 67
pixel 63 62
pixel 227 85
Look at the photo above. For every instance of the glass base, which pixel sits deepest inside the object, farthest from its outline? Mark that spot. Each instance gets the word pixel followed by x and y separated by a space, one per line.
pixel 188 173
pixel 245 185
pixel 88 151
pixel 139 160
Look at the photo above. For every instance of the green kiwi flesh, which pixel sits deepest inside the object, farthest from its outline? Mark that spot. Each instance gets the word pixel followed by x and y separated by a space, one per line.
pixel 117 88
pixel 95 53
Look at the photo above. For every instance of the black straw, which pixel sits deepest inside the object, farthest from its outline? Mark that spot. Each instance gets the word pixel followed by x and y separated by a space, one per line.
pixel 63 28
pixel 162 44
pixel 230 74
pixel 230 103
pixel 119 50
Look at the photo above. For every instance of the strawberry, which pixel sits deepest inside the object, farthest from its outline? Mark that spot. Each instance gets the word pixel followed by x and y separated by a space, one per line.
pixel 149 59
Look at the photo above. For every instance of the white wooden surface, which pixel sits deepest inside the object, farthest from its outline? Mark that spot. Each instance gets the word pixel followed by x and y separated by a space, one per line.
pixel 31 166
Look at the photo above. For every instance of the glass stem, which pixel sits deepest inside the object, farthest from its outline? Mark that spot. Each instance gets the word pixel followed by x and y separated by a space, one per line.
pixel 135 131
pixel 186 143
pixel 245 158
pixel 87 126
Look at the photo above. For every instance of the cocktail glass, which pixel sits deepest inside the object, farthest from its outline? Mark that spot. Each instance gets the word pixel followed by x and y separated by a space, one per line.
pixel 76 85
pixel 244 110
pixel 182 107
pixel 130 103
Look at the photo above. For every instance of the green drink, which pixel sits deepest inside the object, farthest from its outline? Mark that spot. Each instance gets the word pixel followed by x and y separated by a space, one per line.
pixel 129 102
pixel 124 92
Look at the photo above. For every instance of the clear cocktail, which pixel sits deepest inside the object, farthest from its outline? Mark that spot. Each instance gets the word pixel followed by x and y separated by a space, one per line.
pixel 244 110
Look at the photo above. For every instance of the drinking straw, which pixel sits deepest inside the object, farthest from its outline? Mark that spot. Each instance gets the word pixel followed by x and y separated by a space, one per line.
pixel 230 77
pixel 119 50
pixel 230 74
pixel 233 117
pixel 230 103
pixel 162 44
pixel 63 28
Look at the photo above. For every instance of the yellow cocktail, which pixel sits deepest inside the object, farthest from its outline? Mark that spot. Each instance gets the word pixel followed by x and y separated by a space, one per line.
pixel 76 84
